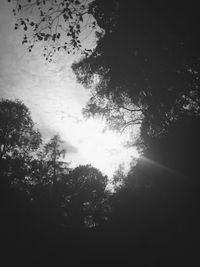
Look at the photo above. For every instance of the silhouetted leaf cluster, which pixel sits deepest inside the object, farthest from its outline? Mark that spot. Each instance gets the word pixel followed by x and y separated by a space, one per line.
pixel 58 24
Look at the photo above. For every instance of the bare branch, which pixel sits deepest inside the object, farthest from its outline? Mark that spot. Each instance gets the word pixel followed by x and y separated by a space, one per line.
pixel 132 110
pixel 131 123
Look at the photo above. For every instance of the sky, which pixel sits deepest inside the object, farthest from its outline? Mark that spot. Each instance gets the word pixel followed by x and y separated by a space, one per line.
pixel 55 100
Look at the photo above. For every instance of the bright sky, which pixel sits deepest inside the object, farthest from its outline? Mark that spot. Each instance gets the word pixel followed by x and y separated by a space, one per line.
pixel 55 100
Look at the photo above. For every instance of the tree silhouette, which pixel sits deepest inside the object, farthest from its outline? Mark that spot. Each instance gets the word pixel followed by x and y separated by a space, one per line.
pixel 18 141
pixel 52 154
pixel 85 195
pixel 17 133
pixel 48 171
pixel 147 63
pixel 75 198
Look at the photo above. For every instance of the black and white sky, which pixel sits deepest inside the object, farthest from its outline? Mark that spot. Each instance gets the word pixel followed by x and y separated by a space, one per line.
pixel 56 100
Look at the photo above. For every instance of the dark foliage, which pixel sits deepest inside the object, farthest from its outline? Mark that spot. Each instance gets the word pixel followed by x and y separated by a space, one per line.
pixel 150 57
pixel 145 67
pixel 17 136
pixel 41 198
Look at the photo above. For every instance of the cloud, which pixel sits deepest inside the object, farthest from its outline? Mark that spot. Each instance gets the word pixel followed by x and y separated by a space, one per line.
pixel 55 100
pixel 70 148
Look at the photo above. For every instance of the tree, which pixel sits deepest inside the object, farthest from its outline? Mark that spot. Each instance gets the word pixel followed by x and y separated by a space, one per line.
pixel 17 134
pixel 48 172
pixel 145 67
pixel 151 58
pixel 85 196
pixel 18 141
pixel 51 156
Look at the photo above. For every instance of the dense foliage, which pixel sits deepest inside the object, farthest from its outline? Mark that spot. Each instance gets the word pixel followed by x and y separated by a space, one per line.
pixel 144 70
pixel 17 136
pixel 149 60
pixel 61 195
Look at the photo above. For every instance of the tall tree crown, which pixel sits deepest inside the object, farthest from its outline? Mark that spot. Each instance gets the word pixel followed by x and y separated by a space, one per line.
pixel 17 133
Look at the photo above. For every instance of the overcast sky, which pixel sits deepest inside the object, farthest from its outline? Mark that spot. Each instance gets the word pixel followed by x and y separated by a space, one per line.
pixel 55 100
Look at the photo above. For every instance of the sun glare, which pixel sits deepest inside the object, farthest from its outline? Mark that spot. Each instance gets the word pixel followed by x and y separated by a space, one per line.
pixel 136 153
pixel 104 150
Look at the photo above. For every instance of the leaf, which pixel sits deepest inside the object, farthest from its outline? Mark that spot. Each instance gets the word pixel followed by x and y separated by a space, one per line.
pixel 54 37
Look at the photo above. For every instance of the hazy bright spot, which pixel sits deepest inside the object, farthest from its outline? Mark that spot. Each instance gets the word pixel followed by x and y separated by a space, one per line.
pixel 136 153
pixel 55 100
pixel 103 149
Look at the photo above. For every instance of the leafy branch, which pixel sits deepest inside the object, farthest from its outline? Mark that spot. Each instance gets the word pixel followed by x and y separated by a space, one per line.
pixel 59 24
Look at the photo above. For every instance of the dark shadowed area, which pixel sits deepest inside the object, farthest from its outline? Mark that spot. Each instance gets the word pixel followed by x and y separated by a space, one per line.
pixel 144 74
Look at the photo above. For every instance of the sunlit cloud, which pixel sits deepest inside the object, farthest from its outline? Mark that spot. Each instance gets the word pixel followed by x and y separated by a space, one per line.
pixel 103 149
pixel 56 100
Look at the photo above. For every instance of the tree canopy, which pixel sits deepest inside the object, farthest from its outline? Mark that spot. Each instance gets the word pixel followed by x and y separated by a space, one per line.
pixel 38 177
pixel 145 67
pixel 86 198
pixel 17 133
pixel 151 58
